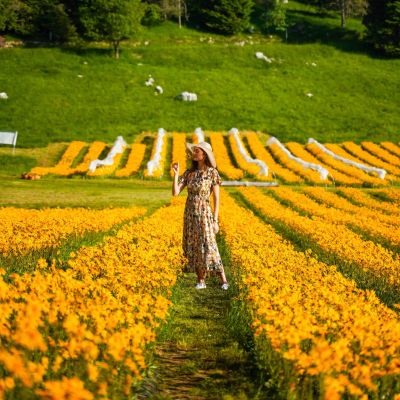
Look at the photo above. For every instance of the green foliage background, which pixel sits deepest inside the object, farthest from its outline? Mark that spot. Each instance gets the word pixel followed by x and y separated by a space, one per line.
pixel 58 94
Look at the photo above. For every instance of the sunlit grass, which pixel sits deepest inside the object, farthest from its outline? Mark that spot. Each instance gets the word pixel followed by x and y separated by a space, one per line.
pixel 354 93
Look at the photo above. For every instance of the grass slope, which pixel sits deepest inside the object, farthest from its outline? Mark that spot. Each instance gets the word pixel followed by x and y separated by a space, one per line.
pixel 355 95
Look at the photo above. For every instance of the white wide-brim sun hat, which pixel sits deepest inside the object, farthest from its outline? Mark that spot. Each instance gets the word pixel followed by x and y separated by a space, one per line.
pixel 206 147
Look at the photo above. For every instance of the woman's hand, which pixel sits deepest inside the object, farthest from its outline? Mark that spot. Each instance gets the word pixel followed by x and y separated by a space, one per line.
pixel 175 168
pixel 216 227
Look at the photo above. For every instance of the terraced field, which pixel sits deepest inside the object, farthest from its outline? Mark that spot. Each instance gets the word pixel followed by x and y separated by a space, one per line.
pixel 240 156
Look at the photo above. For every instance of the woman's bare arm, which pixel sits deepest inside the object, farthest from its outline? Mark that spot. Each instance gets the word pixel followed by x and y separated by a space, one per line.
pixel 176 186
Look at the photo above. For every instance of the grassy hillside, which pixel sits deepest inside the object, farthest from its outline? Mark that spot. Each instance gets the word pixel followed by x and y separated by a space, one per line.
pixel 58 94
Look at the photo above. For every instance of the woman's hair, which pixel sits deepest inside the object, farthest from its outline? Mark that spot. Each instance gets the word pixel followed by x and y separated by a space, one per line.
pixel 195 164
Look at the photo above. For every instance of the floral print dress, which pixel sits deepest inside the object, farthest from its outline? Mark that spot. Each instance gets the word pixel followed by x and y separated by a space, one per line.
pixel 199 244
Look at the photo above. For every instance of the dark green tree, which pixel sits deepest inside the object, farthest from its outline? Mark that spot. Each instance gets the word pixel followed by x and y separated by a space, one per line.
pixel 111 20
pixel 47 18
pixel 51 19
pixel 228 16
pixel 152 15
pixel 15 16
pixel 383 25
pixel 275 16
pixel 72 9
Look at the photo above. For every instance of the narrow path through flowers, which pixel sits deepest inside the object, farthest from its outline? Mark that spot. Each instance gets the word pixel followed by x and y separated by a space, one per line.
pixel 198 355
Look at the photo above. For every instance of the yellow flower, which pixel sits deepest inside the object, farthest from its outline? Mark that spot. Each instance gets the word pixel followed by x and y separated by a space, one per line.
pixel 66 389
pixel 178 151
pixel 222 157
pixel 63 167
pixel 93 372
pixel 134 161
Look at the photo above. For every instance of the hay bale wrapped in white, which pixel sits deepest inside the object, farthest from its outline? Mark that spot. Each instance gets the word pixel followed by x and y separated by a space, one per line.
pixel 150 81
pixel 261 56
pixel 155 162
pixel 380 171
pixel 323 173
pixel 118 147
pixel 186 96
pixel 245 155
pixel 3 95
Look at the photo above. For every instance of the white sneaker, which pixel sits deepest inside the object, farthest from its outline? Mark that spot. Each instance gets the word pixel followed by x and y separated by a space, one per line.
pixel 225 286
pixel 201 285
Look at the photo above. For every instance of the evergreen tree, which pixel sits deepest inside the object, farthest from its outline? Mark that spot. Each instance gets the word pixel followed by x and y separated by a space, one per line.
pixel 228 16
pixel 51 20
pixel 196 11
pixel 383 25
pixel 111 20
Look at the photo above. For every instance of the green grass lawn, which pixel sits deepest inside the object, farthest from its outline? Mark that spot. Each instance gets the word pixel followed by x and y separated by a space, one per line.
pixel 84 193
pixel 355 95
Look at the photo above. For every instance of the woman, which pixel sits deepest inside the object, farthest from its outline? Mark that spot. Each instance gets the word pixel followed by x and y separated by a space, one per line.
pixel 200 225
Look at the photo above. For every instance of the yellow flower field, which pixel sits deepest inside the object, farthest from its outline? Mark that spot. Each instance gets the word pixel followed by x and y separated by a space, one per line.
pixel 276 169
pixel 134 161
pixel 335 200
pixel 222 158
pixel 361 220
pixel 233 165
pixel 26 230
pixel 334 238
pixel 354 152
pixel 336 173
pixel 178 151
pixel 369 202
pixel 246 166
pixel 63 167
pixel 356 174
pixel 78 331
pixel 105 170
pixel 393 195
pixel 82 326
pixel 310 313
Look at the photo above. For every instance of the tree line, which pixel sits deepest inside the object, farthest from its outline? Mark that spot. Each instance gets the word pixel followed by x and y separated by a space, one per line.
pixel 116 20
